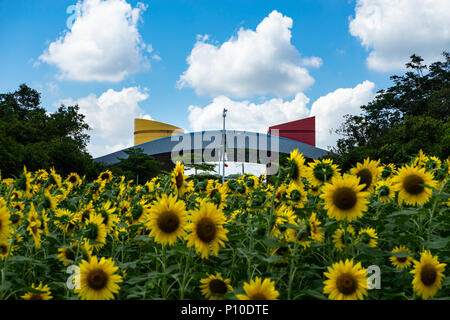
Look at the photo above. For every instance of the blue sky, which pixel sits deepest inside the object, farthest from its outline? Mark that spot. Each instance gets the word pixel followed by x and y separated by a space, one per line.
pixel 356 46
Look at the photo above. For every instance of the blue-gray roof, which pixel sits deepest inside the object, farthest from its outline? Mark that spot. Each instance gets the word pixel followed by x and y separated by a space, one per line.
pixel 205 141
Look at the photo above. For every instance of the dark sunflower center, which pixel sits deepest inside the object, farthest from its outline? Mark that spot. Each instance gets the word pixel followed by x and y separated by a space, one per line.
pixel 344 198
pixel 413 184
pixel 296 195
pixel 428 275
pixel 179 180
pixel 258 296
pixel 105 176
pixel 401 259
pixel 70 255
pixel 214 193
pixel 92 231
pixel 73 179
pixel 97 279
pixel 36 296
pixel 168 222
pixel 85 216
pixel 3 249
pixel 384 191
pixel 386 172
pixel 218 286
pixel 323 172
pixel 365 176
pixel 206 230
pixel 346 284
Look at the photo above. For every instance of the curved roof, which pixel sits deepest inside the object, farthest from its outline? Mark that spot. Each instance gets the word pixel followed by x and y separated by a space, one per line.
pixel 208 140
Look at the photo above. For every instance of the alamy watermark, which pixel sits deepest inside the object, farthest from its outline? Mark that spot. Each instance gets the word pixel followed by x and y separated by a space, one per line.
pixel 240 146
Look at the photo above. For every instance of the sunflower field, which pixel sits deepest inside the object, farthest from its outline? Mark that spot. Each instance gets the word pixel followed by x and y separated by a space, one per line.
pixel 310 232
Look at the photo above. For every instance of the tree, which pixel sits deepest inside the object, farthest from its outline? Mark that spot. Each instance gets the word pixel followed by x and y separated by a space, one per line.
pixel 412 114
pixel 39 140
pixel 137 166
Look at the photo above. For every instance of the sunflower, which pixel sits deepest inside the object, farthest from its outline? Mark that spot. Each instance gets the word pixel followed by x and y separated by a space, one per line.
pixel 216 193
pixel 40 292
pixel 403 258
pixel 296 195
pixel 342 237
pixel 413 185
pixel 428 274
pixel 388 171
pixel 285 215
pixel 74 180
pixel 98 280
pixel 316 231
pixel 167 219
pixel 55 177
pixel 5 248
pixel 321 171
pixel 344 199
pixel 368 173
pixel 314 190
pixel 420 160
pixel 296 165
pixel 50 202
pixel 346 281
pixel 433 163
pixel 67 255
pixel 104 177
pixel 66 220
pixel 109 217
pixel 178 179
pixel 138 213
pixel 95 231
pixel 280 194
pixel 85 212
pixel 15 195
pixel 259 289
pixel 367 236
pixel 206 229
pixel 214 286
pixel 34 225
pixel 4 223
pixel 384 191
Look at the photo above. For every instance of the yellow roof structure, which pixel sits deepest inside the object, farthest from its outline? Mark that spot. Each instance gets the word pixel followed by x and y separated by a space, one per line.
pixel 149 130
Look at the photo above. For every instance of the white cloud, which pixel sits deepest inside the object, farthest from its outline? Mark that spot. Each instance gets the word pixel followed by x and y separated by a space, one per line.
pixel 330 109
pixel 245 115
pixel 252 63
pixel 104 43
pixel 111 118
pixel 394 30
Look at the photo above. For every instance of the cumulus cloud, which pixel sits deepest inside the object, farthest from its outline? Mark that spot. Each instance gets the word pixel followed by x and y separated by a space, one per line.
pixel 330 109
pixel 111 118
pixel 245 115
pixel 104 43
pixel 251 63
pixel 394 30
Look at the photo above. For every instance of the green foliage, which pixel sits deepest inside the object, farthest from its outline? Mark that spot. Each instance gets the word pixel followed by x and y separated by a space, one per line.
pixel 32 137
pixel 137 165
pixel 411 115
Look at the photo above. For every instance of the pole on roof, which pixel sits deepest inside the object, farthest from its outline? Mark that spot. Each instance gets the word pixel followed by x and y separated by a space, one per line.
pixel 223 145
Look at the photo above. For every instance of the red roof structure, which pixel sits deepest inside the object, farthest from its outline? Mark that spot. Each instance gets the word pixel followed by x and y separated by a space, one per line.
pixel 303 130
